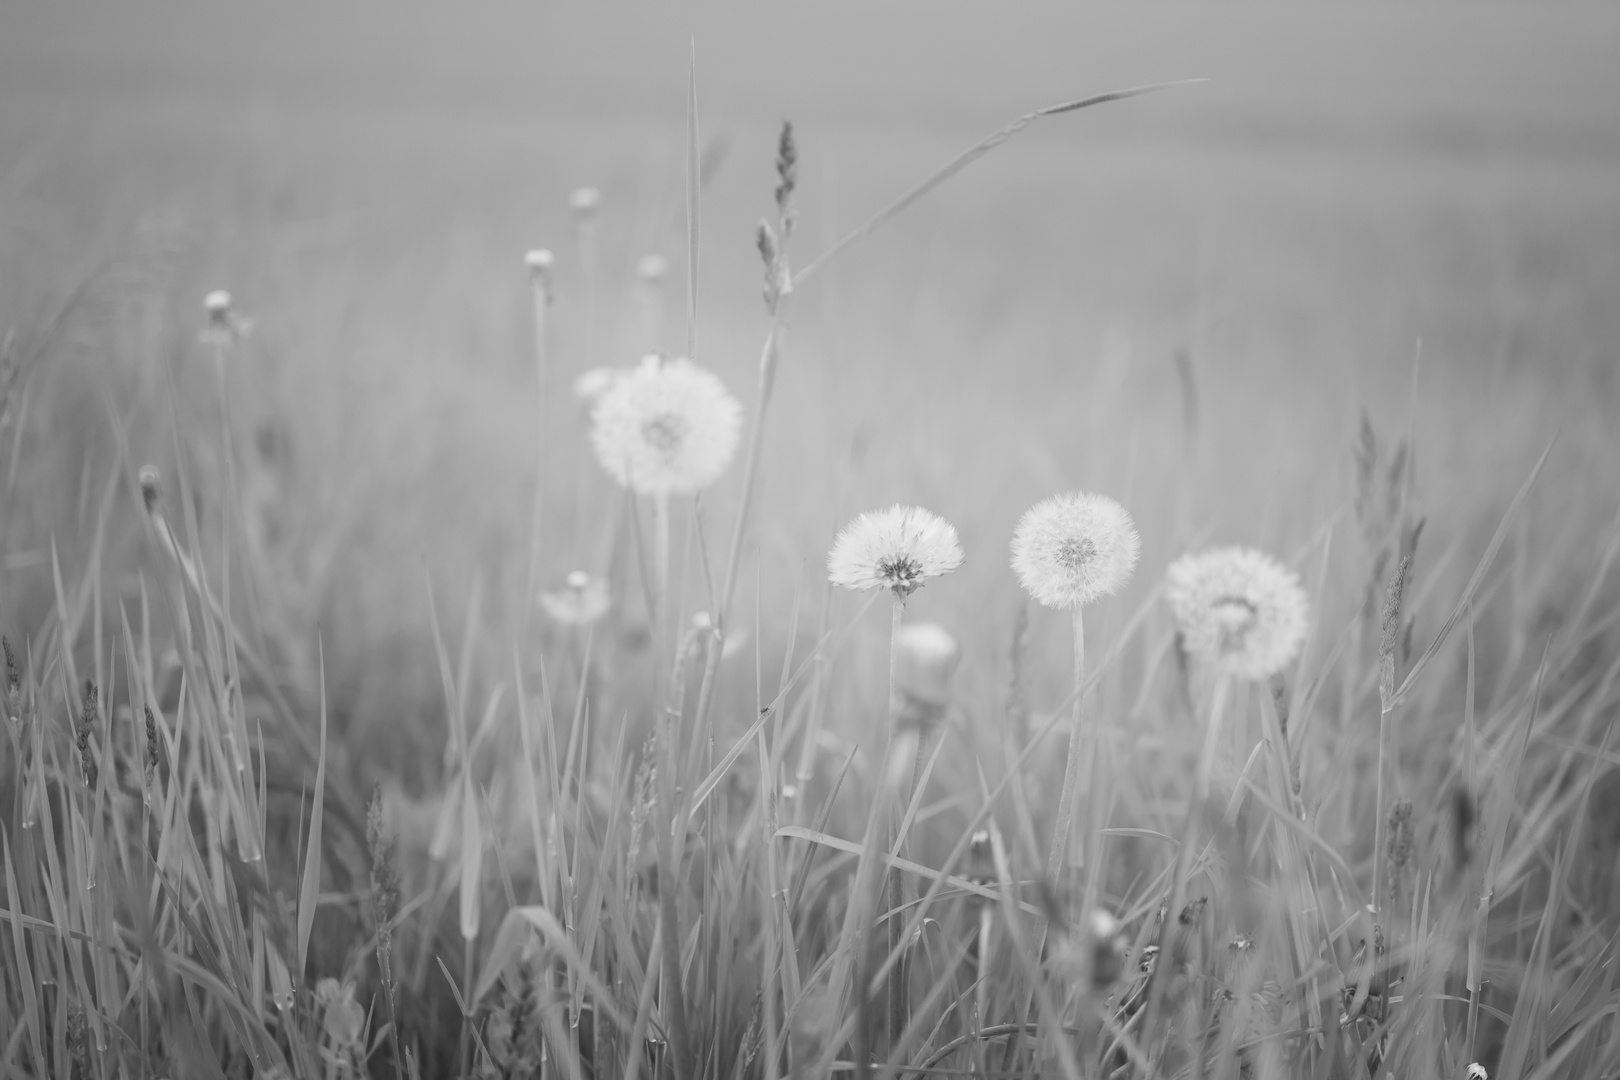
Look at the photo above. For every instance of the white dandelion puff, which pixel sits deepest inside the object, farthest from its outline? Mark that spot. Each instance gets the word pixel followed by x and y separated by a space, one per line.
pixel 582 600
pixel 1239 608
pixel 667 427
pixel 1074 548
pixel 897 549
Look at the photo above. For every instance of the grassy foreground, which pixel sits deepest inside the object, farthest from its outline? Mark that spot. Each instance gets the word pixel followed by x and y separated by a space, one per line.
pixel 631 847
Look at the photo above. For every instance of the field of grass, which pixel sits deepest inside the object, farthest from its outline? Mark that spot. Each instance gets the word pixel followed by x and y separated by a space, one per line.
pixel 300 780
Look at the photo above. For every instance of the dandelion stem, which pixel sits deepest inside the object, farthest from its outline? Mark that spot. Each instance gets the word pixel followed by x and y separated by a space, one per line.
pixel 542 301
pixel 892 884
pixel 1071 769
pixel 1202 784
pixel 661 554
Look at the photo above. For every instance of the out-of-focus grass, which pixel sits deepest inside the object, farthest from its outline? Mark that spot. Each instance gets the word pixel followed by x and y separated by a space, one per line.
pixel 1416 217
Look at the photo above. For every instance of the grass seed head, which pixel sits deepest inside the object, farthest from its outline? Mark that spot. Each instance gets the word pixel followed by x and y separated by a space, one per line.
pixel 897 549
pixel 151 739
pixel 89 713
pixel 1239 609
pixel 787 177
pixel 668 427
pixel 1389 638
pixel 1072 549
pixel 13 683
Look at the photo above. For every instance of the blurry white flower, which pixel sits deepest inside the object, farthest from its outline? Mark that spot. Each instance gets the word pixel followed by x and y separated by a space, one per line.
pixel 224 325
pixel 585 201
pixel 652 268
pixel 668 427
pixel 1072 549
pixel 898 548
pixel 1476 1071
pixel 1239 608
pixel 538 260
pixel 581 601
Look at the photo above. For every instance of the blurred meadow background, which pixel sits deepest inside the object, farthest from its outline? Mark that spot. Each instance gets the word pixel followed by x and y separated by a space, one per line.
pixel 1364 275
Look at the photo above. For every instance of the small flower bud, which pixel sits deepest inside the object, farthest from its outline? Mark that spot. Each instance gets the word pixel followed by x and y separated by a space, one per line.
pixel 150 489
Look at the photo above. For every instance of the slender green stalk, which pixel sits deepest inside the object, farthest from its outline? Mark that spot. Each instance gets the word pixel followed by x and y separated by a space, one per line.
pixel 541 306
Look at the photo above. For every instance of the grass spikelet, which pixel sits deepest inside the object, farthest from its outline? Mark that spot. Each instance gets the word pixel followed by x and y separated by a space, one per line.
pixel 89 720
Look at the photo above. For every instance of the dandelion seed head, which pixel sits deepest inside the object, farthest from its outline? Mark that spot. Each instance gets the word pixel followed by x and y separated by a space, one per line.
pixel 217 304
pixel 1074 548
pixel 667 427
pixel 538 260
pixel 1239 608
pixel 896 549
pixel 582 600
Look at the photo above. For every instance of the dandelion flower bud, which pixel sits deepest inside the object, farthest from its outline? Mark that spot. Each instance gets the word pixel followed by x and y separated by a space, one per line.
pixel 926 655
pixel 1238 608
pixel 652 268
pixel 897 549
pixel 665 428
pixel 1074 548
pixel 585 201
pixel 583 600
pixel 151 491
